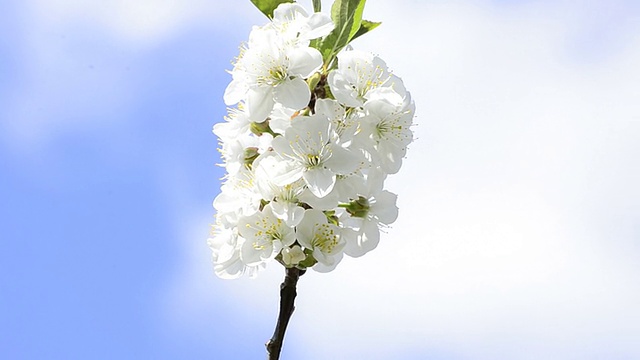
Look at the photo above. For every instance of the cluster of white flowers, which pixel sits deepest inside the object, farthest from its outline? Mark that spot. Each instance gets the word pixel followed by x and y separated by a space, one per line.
pixel 306 148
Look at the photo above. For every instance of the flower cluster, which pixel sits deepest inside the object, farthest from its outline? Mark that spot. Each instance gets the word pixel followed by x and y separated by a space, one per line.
pixel 307 147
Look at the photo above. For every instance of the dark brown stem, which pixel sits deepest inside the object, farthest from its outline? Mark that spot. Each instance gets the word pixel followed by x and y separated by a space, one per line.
pixel 287 298
pixel 318 93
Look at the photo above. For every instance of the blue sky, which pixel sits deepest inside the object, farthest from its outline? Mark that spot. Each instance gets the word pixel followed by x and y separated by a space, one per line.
pixel 106 149
pixel 518 234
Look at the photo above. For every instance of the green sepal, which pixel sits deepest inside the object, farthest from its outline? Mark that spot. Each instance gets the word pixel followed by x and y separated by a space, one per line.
pixel 261 128
pixel 309 261
pixel 268 6
pixel 263 203
pixel 317 5
pixel 250 154
pixel 358 207
pixel 331 217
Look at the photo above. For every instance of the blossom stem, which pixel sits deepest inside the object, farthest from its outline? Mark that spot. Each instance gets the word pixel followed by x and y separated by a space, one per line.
pixel 287 298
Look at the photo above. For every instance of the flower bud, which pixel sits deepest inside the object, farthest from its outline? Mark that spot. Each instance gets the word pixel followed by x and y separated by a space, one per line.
pixel 313 81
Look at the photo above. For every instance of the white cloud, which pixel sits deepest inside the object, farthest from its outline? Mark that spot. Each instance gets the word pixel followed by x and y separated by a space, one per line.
pixel 140 22
pixel 524 169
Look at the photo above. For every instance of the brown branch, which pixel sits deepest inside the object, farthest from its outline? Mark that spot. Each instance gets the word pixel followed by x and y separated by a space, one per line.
pixel 287 298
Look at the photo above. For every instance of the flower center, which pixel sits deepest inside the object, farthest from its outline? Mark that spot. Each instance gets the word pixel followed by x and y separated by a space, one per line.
pixel 277 75
pixel 325 238
pixel 267 232
pixel 368 78
pixel 393 127
pixel 313 161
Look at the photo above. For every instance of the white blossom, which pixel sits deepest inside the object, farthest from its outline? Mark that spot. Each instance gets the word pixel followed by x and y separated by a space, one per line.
pixel 388 128
pixel 306 150
pixel 369 209
pixel 239 196
pixel 323 238
pixel 265 235
pixel 225 246
pixel 311 148
pixel 293 23
pixel 271 70
pixel 358 73
pixel 284 199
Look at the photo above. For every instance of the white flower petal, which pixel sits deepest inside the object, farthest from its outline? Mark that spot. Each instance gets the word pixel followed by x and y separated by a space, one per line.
pixel 370 236
pixel 304 61
pixel 289 177
pixel 287 12
pixel 305 231
pixel 230 270
pixel 390 157
pixel 318 25
pixel 342 90
pixel 351 238
pixel 380 107
pixel 388 94
pixel 292 93
pixel 330 108
pixel 363 241
pixel 320 181
pixel 235 92
pixel 327 202
pixel 385 208
pixel 259 103
pixel 343 161
pixel 290 213
pixel 250 255
pixel 329 263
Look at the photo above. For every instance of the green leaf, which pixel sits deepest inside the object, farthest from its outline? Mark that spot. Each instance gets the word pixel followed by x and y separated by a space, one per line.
pixel 352 9
pixel 347 18
pixel 267 6
pixel 316 44
pixel 317 5
pixel 365 27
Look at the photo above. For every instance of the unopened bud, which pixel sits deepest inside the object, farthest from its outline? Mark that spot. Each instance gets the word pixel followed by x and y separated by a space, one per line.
pixel 313 81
